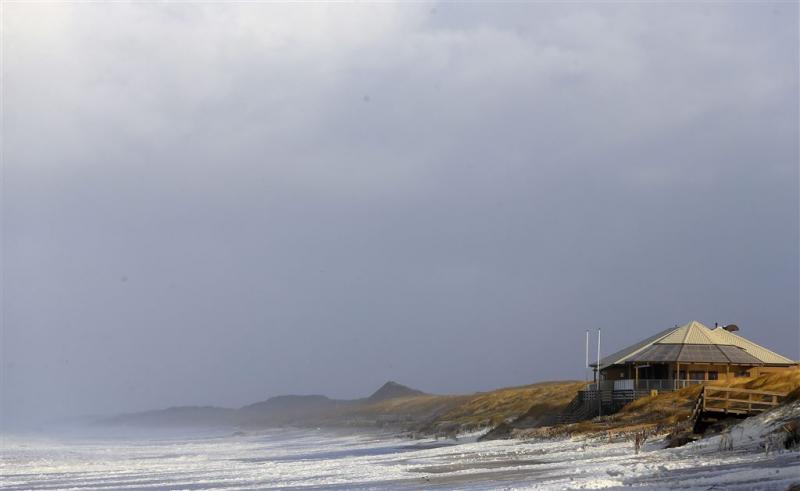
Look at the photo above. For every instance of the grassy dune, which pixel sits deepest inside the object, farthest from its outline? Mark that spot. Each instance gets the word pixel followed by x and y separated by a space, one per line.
pixel 666 410
pixel 532 410
pixel 408 412
pixel 490 409
pixel 786 381
pixel 450 414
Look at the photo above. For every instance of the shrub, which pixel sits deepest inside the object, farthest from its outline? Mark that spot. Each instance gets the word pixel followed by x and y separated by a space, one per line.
pixel 792 438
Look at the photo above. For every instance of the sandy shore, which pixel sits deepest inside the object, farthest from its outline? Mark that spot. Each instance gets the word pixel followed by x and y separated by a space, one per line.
pixel 317 459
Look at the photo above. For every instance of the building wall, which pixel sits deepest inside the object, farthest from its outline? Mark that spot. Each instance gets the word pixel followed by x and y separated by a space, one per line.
pixel 693 371
pixel 711 372
pixel 614 373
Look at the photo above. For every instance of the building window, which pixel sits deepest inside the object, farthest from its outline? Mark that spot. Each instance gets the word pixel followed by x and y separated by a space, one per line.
pixel 697 375
pixel 712 376
pixel 742 373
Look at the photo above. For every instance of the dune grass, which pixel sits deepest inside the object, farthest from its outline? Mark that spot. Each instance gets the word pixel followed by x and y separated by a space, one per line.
pixel 668 409
pixel 784 381
pixel 414 408
pixel 498 406
pixel 531 407
pixel 451 414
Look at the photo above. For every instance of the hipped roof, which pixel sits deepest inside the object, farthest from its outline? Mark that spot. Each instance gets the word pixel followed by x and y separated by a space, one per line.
pixel 695 343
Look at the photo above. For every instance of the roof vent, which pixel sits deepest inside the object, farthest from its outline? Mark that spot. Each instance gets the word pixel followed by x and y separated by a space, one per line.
pixel 731 327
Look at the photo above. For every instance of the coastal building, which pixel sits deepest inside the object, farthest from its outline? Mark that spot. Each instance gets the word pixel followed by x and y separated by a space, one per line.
pixel 685 355
pixel 675 358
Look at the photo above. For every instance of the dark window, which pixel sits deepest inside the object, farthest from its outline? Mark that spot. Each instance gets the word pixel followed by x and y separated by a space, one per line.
pixel 742 374
pixel 697 375
pixel 712 376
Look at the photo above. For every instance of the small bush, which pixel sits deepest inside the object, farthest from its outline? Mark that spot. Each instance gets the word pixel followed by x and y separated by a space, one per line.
pixel 792 438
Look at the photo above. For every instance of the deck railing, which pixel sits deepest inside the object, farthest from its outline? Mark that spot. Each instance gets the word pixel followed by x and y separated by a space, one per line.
pixel 642 384
pixel 739 401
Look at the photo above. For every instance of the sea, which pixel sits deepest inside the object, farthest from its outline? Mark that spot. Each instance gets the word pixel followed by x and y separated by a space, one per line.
pixel 333 460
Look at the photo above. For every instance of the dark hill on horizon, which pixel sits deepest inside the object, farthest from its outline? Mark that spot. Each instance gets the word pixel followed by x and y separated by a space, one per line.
pixel 392 389
pixel 279 410
pixel 286 410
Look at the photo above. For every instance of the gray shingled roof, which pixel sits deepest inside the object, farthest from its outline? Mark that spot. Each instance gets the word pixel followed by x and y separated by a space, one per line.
pixel 694 353
pixel 694 342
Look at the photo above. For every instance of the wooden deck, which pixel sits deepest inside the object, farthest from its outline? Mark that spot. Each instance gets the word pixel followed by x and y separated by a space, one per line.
pixel 728 400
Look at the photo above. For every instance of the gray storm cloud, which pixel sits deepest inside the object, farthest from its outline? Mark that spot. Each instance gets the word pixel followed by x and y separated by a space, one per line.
pixel 212 204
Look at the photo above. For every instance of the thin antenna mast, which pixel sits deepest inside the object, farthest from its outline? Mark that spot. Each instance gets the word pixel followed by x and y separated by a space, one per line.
pixel 586 370
pixel 599 396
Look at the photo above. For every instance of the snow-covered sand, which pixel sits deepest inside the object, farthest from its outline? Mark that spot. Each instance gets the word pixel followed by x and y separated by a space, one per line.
pixel 303 459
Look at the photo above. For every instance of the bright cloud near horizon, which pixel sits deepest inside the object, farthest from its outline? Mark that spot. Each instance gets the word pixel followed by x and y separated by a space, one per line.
pixel 218 203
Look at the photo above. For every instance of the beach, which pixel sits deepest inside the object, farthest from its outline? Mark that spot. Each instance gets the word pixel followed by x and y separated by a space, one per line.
pixel 325 459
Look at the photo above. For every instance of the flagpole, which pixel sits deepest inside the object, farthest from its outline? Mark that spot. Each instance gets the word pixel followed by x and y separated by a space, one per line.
pixel 586 369
pixel 599 396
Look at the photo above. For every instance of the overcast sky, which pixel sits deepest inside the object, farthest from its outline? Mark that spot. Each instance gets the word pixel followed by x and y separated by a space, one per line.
pixel 214 204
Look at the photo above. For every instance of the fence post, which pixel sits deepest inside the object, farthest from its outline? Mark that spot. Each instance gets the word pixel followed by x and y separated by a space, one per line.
pixel 703 396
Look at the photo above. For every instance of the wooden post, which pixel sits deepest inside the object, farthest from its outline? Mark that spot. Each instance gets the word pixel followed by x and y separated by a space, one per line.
pixel 677 374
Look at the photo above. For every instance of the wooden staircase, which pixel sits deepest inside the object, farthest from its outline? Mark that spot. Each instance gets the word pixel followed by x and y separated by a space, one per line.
pixel 576 410
pixel 582 408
